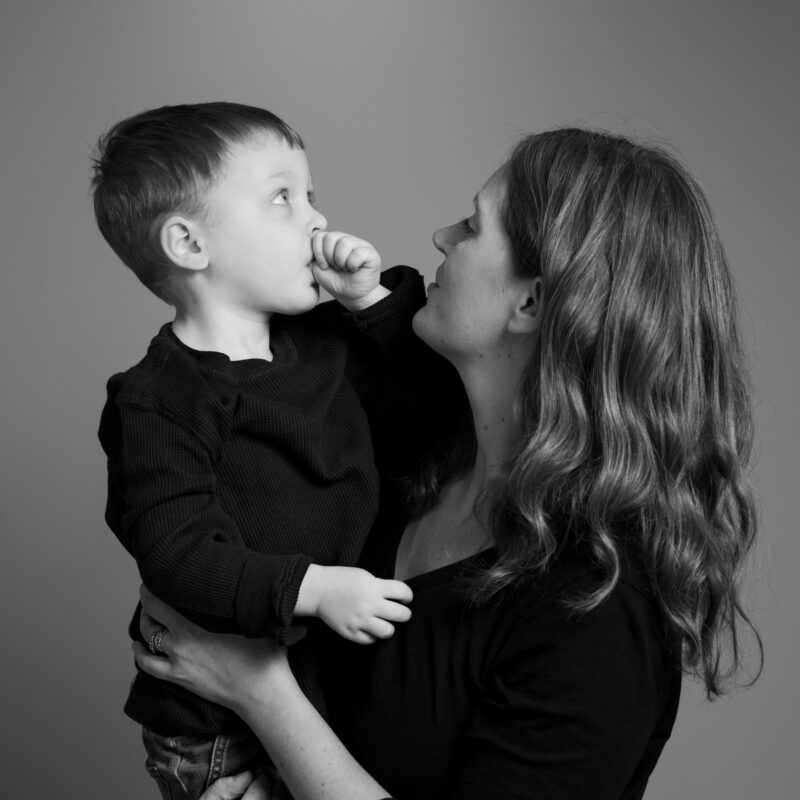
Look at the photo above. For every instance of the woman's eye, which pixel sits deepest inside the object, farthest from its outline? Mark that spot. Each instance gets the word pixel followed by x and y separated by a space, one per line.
pixel 464 225
pixel 281 198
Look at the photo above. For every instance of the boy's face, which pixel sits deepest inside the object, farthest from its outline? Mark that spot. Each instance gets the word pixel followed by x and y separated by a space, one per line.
pixel 257 230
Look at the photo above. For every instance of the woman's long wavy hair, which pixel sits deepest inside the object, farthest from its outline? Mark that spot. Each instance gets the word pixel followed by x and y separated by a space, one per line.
pixel 636 415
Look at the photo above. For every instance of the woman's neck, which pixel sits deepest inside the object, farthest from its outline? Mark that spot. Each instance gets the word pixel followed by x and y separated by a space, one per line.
pixel 492 392
pixel 456 527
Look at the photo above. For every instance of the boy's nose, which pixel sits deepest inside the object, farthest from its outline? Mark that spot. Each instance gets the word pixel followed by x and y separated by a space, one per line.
pixel 318 221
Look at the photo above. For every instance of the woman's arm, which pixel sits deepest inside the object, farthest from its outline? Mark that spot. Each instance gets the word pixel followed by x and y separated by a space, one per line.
pixel 575 707
pixel 253 678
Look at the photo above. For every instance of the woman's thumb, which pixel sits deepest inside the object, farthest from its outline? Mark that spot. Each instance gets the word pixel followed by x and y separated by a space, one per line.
pixel 231 787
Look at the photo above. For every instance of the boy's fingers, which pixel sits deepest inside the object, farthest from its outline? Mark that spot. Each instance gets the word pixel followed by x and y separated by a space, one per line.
pixel 322 275
pixel 332 280
pixel 317 248
pixel 351 252
pixel 394 612
pixel 380 628
pixel 397 590
pixel 362 637
pixel 343 250
pixel 358 258
pixel 329 243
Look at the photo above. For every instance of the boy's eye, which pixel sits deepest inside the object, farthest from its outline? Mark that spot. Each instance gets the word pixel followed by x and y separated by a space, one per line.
pixel 312 198
pixel 281 197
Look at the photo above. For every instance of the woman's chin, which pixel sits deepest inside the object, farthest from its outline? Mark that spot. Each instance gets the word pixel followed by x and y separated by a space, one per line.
pixel 424 326
pixel 420 323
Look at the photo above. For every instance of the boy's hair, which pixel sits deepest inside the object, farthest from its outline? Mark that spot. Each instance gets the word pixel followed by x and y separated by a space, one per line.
pixel 165 161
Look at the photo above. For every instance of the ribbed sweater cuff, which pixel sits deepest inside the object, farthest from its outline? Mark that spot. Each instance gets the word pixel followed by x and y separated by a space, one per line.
pixel 267 594
pixel 407 296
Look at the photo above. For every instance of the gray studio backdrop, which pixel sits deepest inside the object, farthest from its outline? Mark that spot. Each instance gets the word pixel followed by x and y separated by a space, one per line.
pixel 406 107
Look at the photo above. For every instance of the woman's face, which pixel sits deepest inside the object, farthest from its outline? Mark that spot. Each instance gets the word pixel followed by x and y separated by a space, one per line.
pixel 475 287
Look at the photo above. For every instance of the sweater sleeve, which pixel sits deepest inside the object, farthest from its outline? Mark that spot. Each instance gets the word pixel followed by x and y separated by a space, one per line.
pixel 569 709
pixel 164 508
pixel 413 397
pixel 387 323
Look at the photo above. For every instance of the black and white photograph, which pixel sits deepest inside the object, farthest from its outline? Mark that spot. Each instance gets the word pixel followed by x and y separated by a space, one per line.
pixel 400 399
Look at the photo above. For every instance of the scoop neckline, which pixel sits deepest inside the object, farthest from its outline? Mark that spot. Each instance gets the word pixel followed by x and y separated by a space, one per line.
pixel 439 574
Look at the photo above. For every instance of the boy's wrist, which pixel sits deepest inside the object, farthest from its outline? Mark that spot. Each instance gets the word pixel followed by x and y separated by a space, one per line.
pixel 308 598
pixel 370 299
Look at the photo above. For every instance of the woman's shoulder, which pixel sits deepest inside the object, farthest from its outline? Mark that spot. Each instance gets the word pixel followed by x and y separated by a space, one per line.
pixel 551 606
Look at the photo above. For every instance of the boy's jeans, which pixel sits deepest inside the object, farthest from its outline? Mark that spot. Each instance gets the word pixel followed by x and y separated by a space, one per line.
pixel 185 766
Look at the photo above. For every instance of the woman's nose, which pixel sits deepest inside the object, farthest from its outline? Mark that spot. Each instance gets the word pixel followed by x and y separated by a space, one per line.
pixel 440 239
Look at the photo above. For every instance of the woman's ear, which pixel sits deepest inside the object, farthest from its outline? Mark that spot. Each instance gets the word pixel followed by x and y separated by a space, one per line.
pixel 527 314
pixel 182 243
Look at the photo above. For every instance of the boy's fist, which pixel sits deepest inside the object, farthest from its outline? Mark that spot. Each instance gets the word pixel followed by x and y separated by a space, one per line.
pixel 353 602
pixel 343 252
pixel 347 267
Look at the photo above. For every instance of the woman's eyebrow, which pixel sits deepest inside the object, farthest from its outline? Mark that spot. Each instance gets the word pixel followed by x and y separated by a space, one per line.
pixel 476 204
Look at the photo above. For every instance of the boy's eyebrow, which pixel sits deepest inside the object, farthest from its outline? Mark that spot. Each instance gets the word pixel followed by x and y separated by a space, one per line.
pixel 287 173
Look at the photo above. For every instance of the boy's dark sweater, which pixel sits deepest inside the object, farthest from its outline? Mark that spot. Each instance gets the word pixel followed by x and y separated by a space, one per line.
pixel 227 479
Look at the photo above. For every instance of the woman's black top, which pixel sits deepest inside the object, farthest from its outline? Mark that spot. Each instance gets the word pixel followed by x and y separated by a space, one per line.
pixel 518 699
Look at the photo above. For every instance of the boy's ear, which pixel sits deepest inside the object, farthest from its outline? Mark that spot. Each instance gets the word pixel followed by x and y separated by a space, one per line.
pixel 182 243
pixel 527 314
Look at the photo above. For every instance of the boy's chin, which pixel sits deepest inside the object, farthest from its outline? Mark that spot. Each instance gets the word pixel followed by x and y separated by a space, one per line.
pixel 310 300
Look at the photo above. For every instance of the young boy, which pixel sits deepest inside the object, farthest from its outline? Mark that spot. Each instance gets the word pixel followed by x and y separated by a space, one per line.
pixel 239 457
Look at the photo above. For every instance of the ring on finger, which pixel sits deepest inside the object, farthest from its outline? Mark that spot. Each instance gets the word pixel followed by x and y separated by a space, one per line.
pixel 154 642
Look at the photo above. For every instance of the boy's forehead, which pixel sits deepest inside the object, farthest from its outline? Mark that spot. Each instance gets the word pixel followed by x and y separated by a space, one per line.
pixel 265 158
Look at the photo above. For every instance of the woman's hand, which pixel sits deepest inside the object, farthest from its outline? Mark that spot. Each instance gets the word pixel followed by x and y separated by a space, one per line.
pixel 233 787
pixel 244 786
pixel 252 677
pixel 224 668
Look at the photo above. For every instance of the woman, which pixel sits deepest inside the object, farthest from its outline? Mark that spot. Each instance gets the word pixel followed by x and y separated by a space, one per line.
pixel 578 544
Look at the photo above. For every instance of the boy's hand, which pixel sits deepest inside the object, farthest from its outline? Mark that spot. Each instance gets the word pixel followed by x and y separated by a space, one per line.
pixel 349 268
pixel 356 604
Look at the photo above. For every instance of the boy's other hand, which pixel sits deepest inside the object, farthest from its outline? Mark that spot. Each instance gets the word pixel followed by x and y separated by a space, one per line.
pixel 349 268
pixel 353 602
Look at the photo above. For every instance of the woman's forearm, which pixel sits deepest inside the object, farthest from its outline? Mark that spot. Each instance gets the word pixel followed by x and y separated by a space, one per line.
pixel 310 758
pixel 252 677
